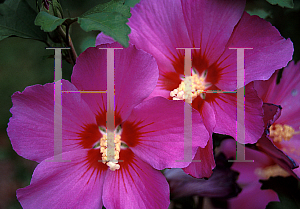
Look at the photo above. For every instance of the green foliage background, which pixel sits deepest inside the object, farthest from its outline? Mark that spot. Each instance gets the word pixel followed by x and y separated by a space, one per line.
pixel 25 62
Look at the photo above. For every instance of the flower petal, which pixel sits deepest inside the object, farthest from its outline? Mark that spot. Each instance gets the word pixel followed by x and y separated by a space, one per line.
pixel 31 128
pixel 160 138
pixel 226 108
pixel 270 51
pixel 210 24
pixel 75 184
pixel 137 185
pixel 135 75
pixel 153 30
pixel 286 94
pixel 222 183
pixel 204 168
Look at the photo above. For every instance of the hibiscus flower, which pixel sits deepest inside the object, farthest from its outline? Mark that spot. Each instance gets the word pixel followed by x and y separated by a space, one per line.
pixel 148 136
pixel 285 131
pixel 161 26
pixel 262 167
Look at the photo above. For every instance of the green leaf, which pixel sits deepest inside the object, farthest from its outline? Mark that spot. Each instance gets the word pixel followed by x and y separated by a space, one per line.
pixel 259 12
pixel 17 19
pixel 131 3
pixel 110 18
pixel 282 3
pixel 47 21
pixel 287 190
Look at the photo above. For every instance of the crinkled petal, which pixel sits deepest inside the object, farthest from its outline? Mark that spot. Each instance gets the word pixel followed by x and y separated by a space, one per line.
pixel 286 94
pixel 267 146
pixel 75 184
pixel 31 128
pixel 270 51
pixel 157 133
pixel 136 75
pixel 225 108
pixel 204 168
pixel 210 24
pixel 136 185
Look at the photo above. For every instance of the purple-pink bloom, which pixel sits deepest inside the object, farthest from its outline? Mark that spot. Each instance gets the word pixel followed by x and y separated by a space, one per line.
pixel 151 136
pixel 161 26
pixel 262 167
pixel 285 131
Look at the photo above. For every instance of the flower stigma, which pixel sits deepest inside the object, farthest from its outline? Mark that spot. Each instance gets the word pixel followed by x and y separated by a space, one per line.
pixel 197 84
pixel 111 149
pixel 282 132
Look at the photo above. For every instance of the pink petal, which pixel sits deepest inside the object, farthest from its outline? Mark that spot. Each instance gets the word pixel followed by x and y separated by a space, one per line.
pixel 153 30
pixel 286 94
pixel 225 107
pixel 210 24
pixel 103 39
pixel 259 198
pixel 248 178
pixel 75 184
pixel 136 75
pixel 207 113
pixel 137 185
pixel 270 50
pixel 31 128
pixel 159 139
pixel 204 168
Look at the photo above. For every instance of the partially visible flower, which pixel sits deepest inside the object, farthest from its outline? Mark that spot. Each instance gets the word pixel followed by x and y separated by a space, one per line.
pixel 149 135
pixel 263 167
pixel 285 131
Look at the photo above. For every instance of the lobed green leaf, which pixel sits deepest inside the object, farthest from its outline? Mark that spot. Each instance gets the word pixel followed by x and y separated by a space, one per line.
pixel 282 3
pixel 17 19
pixel 110 18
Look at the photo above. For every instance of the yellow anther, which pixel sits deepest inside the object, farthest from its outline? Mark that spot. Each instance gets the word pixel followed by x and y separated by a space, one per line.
pixel 111 163
pixel 196 83
pixel 282 132
pixel 271 171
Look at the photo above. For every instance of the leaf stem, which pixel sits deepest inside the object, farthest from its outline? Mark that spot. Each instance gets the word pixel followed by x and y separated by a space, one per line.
pixel 68 41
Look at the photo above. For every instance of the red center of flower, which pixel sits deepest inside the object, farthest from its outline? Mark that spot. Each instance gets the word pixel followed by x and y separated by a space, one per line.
pixel 95 137
pixel 204 76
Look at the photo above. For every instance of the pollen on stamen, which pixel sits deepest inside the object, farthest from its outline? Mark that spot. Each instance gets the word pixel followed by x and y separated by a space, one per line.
pixel 111 163
pixel 271 171
pixel 197 84
pixel 280 132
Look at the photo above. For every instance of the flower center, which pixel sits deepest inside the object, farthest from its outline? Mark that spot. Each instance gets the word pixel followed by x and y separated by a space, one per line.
pixel 110 149
pixel 197 84
pixel 282 132
pixel 271 171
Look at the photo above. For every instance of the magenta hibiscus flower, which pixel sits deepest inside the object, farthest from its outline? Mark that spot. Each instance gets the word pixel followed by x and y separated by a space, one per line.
pixel 263 167
pixel 161 26
pixel 285 131
pixel 149 135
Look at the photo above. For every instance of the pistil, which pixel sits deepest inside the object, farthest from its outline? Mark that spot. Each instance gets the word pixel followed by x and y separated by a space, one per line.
pixel 280 132
pixel 110 157
pixel 197 84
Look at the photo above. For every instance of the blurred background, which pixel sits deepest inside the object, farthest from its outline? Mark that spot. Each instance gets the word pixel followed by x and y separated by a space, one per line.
pixel 25 62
